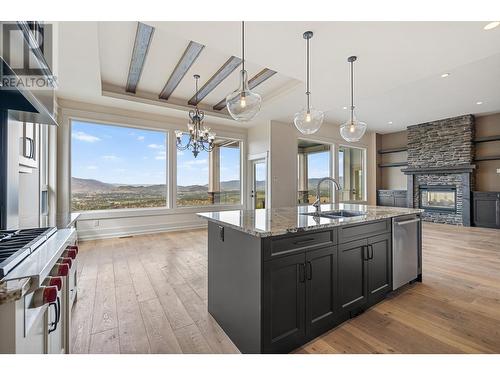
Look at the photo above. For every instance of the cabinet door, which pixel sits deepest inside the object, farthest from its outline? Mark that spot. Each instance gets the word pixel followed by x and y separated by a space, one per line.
pixel 386 200
pixel 353 285
pixel 486 210
pixel 321 290
pixel 379 267
pixel 284 304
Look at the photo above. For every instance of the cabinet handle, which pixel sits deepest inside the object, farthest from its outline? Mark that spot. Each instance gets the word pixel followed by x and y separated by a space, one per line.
pixel 309 271
pixel 303 241
pixel 365 252
pixel 221 233
pixel 370 251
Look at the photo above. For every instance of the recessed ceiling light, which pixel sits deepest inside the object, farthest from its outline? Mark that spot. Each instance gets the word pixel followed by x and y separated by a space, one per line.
pixel 479 103
pixel 444 75
pixel 390 122
pixel 491 25
pixel 345 107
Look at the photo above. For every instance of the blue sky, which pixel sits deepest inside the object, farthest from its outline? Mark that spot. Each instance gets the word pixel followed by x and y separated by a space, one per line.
pixel 318 164
pixel 116 154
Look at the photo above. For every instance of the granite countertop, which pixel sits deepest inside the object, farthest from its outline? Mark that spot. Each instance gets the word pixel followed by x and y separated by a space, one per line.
pixel 13 290
pixel 278 221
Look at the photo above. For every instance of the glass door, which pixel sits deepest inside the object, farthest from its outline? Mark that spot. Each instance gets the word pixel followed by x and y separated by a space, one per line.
pixel 259 183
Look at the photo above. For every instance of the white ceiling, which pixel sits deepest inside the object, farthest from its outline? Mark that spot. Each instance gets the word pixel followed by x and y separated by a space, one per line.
pixel 397 75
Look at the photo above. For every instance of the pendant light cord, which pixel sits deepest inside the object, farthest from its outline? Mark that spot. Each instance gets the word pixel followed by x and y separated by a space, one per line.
pixel 352 91
pixel 307 75
pixel 243 44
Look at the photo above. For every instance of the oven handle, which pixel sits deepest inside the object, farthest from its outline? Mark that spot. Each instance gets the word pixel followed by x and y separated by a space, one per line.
pixel 407 221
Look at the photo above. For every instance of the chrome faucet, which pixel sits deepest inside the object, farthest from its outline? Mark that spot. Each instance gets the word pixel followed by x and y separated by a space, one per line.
pixel 317 202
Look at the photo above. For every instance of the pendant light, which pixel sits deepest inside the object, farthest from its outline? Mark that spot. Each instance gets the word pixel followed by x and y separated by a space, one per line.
pixel 243 104
pixel 352 130
pixel 309 120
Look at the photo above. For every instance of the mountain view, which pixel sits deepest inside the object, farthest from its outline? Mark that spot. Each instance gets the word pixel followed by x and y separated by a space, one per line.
pixel 91 194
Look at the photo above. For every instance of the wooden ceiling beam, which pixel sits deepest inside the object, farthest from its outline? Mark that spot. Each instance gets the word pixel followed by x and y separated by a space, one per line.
pixel 143 38
pixel 225 70
pixel 187 59
pixel 256 80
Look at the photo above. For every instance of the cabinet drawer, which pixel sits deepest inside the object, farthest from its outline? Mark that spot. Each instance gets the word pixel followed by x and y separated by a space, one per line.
pixel 295 242
pixel 354 232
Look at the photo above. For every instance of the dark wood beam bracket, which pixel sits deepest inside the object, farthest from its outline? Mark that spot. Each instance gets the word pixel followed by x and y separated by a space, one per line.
pixel 187 59
pixel 256 80
pixel 143 38
pixel 221 74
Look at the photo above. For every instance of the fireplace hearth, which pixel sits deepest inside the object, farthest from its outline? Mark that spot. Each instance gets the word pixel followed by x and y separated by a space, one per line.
pixel 441 198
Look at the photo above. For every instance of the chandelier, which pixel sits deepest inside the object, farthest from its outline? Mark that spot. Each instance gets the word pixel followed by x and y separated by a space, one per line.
pixel 201 138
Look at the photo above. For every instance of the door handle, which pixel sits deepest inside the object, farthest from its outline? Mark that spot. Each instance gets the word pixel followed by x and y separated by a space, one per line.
pixel 309 271
pixel 221 233
pixel 302 276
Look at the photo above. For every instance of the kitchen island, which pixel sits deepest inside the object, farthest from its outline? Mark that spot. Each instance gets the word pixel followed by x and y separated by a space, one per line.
pixel 278 278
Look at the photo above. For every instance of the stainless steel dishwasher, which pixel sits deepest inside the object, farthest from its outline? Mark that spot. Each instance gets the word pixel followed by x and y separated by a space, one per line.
pixel 405 249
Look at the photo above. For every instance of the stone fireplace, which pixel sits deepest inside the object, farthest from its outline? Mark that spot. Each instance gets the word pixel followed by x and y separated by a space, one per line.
pixel 440 173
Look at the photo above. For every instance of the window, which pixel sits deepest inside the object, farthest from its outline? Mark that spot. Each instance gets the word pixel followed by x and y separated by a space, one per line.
pixel 210 178
pixel 351 174
pixel 313 164
pixel 116 167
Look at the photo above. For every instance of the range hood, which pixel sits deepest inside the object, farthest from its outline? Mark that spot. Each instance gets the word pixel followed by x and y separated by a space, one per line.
pixel 25 104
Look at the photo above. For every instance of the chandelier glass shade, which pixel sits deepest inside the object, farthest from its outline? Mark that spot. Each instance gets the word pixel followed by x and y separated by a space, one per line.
pixel 353 129
pixel 308 120
pixel 201 138
pixel 243 104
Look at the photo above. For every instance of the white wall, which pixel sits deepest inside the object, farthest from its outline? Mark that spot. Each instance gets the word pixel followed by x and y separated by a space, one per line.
pixel 111 223
pixel 283 159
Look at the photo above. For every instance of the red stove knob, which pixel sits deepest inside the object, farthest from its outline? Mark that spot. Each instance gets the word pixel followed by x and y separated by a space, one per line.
pixel 72 247
pixel 66 261
pixel 54 281
pixel 69 253
pixel 60 269
pixel 44 295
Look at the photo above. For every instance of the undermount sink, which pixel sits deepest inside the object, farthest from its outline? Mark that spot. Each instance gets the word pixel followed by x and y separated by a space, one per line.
pixel 336 214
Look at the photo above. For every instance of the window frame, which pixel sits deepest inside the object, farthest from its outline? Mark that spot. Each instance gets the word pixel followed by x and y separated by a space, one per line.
pixel 167 125
pixel 225 205
pixel 332 159
pixel 365 179
pixel 167 167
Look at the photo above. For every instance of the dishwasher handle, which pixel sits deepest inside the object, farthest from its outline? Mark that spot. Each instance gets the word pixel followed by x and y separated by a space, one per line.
pixel 407 221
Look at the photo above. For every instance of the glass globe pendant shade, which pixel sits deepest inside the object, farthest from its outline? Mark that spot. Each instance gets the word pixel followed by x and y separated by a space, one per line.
pixel 308 121
pixel 352 130
pixel 243 104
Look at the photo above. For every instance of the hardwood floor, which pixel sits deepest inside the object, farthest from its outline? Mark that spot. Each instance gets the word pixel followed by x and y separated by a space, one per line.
pixel 148 294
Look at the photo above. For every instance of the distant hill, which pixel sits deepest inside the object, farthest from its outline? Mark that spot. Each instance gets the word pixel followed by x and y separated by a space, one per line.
pixel 83 185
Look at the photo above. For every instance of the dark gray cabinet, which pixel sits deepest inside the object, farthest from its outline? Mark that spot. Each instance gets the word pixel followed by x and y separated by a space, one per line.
pixel 486 209
pixel 321 290
pixel 392 198
pixel 365 271
pixel 353 287
pixel 284 303
pixel 299 298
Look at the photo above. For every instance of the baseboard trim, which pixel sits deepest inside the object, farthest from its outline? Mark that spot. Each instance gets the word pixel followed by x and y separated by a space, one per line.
pixel 89 235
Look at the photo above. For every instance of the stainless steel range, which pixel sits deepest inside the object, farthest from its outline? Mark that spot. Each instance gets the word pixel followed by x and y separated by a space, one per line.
pixel 16 245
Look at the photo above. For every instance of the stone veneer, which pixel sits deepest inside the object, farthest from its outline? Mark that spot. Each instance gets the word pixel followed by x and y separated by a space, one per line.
pixel 442 144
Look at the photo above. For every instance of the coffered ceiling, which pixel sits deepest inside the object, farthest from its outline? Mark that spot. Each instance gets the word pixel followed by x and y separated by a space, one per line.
pixel 398 72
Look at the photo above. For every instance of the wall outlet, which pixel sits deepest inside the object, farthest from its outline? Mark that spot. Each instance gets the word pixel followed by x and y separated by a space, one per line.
pixel 96 223
pixel 498 170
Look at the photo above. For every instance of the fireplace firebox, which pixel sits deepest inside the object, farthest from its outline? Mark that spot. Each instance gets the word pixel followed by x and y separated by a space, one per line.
pixel 438 198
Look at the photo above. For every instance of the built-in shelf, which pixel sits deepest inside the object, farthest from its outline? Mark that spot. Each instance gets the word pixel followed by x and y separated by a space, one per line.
pixel 398 164
pixel 392 150
pixel 490 138
pixel 483 158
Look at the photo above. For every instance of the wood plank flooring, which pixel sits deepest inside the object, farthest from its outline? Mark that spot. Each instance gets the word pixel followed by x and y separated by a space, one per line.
pixel 148 294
